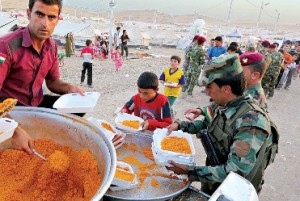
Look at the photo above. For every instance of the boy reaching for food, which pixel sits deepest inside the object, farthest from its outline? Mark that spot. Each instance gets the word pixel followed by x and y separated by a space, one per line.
pixel 148 104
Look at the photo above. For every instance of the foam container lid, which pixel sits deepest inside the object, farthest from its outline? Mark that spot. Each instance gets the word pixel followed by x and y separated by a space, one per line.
pixel 124 116
pixel 7 128
pixel 75 103
pixel 121 184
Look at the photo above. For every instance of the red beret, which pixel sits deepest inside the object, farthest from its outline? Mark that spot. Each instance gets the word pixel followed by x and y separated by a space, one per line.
pixel 196 37
pixel 273 46
pixel 250 58
pixel 201 39
pixel 266 42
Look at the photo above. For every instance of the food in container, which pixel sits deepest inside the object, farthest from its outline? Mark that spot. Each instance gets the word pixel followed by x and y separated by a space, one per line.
pixel 176 144
pixel 131 123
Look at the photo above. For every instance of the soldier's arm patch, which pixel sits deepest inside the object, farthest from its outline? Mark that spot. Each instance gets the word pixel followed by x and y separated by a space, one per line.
pixel 241 148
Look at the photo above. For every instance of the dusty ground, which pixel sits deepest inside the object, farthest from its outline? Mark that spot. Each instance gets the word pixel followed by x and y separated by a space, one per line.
pixel 282 177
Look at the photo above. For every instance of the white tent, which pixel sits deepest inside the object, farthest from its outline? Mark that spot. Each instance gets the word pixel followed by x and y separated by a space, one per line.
pixel 198 28
pixel 65 27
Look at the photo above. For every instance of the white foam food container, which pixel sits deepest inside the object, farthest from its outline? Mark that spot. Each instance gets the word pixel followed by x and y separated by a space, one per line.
pixel 76 103
pixel 7 128
pixel 168 84
pixel 110 135
pixel 162 159
pixel 97 122
pixel 124 116
pixel 118 184
pixel 160 134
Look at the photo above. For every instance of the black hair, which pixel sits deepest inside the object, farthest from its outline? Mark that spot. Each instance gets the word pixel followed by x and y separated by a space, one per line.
pixel 265 44
pixel 219 38
pixel 295 53
pixel 124 31
pixel 237 83
pixel 117 47
pixel 88 42
pixel 148 80
pixel 235 44
pixel 118 28
pixel 232 48
pixel 47 2
pixel 260 67
pixel 176 58
pixel 276 44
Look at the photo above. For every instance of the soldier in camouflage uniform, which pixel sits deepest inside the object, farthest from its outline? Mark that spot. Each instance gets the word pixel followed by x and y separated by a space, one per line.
pixel 269 81
pixel 238 130
pixel 189 48
pixel 196 59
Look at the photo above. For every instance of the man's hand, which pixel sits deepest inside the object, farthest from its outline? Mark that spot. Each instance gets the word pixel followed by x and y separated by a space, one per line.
pixel 178 168
pixel 173 127
pixel 192 114
pixel 61 87
pixel 22 141
pixel 75 89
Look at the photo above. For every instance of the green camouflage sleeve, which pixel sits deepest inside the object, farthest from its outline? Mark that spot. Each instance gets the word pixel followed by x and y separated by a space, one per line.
pixel 201 55
pixel 192 127
pixel 252 130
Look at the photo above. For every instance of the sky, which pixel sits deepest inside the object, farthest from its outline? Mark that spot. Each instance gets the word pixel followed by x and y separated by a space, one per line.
pixel 242 10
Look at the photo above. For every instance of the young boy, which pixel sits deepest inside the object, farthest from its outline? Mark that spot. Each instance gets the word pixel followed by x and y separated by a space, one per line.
pixel 148 104
pixel 172 75
pixel 88 54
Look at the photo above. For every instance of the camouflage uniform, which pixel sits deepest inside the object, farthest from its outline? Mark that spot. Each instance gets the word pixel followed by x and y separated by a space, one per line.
pixel 238 131
pixel 269 80
pixel 257 93
pixel 196 59
pixel 185 65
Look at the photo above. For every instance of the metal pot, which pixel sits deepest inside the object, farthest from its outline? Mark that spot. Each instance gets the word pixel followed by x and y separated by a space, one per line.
pixel 72 131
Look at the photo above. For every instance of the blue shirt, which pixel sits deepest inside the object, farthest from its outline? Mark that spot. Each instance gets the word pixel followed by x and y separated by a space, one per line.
pixel 216 51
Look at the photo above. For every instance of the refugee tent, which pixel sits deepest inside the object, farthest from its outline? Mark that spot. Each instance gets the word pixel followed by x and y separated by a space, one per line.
pixel 198 28
pixel 81 32
pixel 234 34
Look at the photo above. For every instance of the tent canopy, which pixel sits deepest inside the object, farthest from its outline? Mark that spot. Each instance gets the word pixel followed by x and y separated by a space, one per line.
pixel 65 27
pixel 234 34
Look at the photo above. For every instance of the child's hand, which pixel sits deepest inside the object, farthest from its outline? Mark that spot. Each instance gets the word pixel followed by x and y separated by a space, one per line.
pixel 123 111
pixel 145 125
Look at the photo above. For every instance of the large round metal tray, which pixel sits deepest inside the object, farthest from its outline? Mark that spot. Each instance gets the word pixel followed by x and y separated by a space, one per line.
pixel 69 130
pixel 169 188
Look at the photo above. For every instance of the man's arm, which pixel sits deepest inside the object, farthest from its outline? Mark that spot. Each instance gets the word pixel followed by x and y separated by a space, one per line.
pixel 60 87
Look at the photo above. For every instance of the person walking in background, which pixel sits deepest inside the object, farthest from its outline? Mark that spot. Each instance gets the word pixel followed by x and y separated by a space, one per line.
pixel 288 59
pixel 189 48
pixel 88 55
pixel 218 49
pixel 124 40
pixel 196 61
pixel 72 42
pixel 173 79
pixel 116 37
pixel 68 45
pixel 270 78
pixel 117 57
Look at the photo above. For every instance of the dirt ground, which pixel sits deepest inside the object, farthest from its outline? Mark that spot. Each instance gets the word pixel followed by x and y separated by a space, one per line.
pixel 281 178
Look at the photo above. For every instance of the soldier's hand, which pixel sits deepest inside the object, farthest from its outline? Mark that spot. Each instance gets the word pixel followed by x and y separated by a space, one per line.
pixel 173 127
pixel 178 168
pixel 192 114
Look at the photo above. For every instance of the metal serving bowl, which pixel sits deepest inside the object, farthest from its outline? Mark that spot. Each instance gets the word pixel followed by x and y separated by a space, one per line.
pixel 72 131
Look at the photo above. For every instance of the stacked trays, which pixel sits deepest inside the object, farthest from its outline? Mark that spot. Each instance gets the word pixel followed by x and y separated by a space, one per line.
pixel 163 156
pixel 119 184
pixel 7 128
